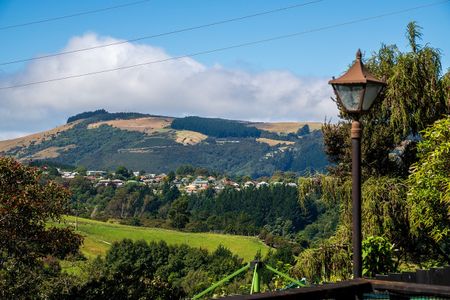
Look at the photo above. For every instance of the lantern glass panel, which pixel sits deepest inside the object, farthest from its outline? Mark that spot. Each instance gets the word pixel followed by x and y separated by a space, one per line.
pixel 350 96
pixel 372 91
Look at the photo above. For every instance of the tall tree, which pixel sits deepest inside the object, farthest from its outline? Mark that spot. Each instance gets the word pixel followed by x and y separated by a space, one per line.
pixel 429 194
pixel 27 205
pixel 415 97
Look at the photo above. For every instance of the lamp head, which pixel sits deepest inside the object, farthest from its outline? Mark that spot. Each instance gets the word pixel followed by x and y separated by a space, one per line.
pixel 357 89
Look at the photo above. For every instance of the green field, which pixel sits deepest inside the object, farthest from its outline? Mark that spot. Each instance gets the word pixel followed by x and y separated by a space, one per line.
pixel 98 237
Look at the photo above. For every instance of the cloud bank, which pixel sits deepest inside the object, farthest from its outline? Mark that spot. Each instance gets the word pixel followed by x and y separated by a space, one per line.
pixel 175 88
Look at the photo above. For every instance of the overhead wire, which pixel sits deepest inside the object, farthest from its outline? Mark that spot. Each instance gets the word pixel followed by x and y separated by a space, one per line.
pixel 360 20
pixel 73 15
pixel 146 37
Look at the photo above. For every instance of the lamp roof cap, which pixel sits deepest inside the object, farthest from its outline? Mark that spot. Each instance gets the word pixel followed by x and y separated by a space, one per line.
pixel 357 74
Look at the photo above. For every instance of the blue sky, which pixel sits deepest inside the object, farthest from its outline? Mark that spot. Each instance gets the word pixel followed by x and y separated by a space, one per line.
pixel 305 59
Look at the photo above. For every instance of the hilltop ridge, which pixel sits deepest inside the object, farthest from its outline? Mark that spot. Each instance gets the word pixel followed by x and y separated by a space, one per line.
pixel 103 140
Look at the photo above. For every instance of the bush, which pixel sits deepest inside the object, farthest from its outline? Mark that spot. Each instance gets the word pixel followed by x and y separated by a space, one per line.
pixel 377 256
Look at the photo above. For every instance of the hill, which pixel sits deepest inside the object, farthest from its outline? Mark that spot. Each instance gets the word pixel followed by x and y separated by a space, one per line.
pixel 285 127
pixel 102 140
pixel 100 235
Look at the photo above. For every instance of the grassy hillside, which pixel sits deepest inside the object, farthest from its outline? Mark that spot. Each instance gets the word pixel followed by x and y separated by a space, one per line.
pixel 99 236
pixel 104 141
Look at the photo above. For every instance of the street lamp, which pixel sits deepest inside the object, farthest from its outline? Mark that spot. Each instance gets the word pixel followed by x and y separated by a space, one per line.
pixel 356 91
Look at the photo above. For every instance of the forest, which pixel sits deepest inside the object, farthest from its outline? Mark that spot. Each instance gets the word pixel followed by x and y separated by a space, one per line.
pixel 218 128
pixel 102 115
pixel 273 212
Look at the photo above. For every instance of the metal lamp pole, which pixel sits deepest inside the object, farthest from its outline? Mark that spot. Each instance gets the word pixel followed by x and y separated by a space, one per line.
pixel 356 198
pixel 356 91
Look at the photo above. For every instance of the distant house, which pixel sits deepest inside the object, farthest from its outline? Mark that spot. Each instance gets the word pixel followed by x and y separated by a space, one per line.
pixel 103 182
pixel 261 184
pixel 177 182
pixel 229 182
pixel 69 175
pixel 117 182
pixel 132 182
pixel 96 173
pixel 219 187
pixel 149 181
pixel 91 178
pixel 200 182
pixel 249 184
pixel 109 182
pixel 292 184
pixel 191 189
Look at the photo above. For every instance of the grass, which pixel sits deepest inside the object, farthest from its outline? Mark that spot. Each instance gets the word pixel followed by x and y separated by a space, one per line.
pixel 272 143
pixel 286 127
pixel 100 235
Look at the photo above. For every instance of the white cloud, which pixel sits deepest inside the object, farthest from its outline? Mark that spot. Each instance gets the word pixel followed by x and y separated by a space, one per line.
pixel 175 88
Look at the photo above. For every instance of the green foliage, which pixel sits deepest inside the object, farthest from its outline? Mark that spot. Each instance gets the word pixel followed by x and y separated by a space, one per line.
pixel 248 210
pixel 323 228
pixel 123 173
pixel 303 130
pixel 171 176
pixel 282 261
pixel 81 170
pixel 132 200
pixel 429 193
pixel 138 270
pixel 99 235
pixel 103 115
pixel 415 97
pixel 185 170
pixel 27 203
pixel 50 164
pixel 377 256
pixel 219 128
pixel 169 193
pixel 245 212
pixel 329 261
pixel 86 115
pixel 385 211
pixel 178 213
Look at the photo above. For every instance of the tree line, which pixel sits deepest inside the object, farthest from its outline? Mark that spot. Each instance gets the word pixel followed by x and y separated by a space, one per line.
pixel 219 128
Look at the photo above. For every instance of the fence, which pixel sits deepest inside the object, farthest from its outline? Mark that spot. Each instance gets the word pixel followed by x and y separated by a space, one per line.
pixel 422 284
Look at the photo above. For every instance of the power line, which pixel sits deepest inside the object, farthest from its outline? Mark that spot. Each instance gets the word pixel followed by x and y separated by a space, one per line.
pixel 164 33
pixel 73 15
pixel 228 47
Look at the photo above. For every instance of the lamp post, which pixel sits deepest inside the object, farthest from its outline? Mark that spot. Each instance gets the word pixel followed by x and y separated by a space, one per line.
pixel 356 91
